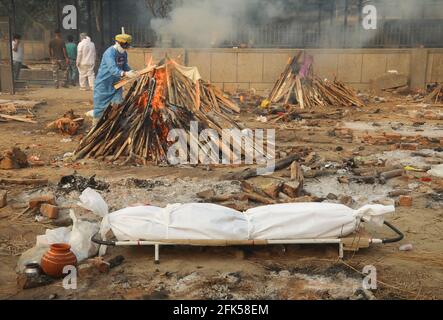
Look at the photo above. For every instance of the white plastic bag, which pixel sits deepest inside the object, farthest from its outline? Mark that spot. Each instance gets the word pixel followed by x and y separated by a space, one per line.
pixel 93 201
pixel 80 238
pixel 58 235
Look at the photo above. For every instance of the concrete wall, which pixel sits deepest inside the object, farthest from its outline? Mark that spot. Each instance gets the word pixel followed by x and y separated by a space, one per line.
pixel 233 69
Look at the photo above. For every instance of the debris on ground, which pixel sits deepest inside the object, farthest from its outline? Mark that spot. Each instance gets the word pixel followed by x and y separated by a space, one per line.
pixel 18 110
pixel 3 198
pixel 13 159
pixel 436 95
pixel 69 124
pixel 78 183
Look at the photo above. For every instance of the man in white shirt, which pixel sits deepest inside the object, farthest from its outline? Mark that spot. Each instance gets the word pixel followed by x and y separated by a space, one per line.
pixel 86 62
pixel 17 55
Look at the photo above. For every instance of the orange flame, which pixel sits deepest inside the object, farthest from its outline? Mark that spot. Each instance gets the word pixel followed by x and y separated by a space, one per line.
pixel 158 101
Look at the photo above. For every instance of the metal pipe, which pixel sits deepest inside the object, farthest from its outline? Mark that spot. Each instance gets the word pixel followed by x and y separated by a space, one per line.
pixel 305 241
pixel 400 235
pixel 225 242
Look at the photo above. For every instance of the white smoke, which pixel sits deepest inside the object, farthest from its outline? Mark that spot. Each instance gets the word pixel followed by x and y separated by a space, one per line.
pixel 215 23
pixel 208 23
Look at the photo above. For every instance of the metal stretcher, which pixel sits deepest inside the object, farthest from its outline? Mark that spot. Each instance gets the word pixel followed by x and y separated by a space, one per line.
pixel 354 242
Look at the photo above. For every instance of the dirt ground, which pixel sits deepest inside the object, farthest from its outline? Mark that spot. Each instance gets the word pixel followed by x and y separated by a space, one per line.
pixel 272 272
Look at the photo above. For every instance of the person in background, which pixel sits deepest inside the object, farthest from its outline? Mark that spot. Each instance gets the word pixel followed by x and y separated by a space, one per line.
pixel 17 55
pixel 59 59
pixel 86 62
pixel 71 52
pixel 113 68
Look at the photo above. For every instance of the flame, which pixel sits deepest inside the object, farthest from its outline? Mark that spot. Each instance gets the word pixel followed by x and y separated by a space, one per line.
pixel 158 101
pixel 142 101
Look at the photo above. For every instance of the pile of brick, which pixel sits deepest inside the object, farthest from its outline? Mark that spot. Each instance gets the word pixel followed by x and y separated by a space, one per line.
pixel 397 141
pixel 46 205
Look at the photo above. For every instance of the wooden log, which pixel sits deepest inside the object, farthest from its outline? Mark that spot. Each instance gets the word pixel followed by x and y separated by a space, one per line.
pixel 250 188
pixel 126 81
pixel 300 97
pixel 252 172
pixel 292 188
pixel 273 190
pixel 17 118
pixel 23 181
pixel 257 198
pixel 391 174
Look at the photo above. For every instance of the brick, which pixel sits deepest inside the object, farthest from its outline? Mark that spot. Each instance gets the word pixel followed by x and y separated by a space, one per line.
pixel 409 146
pixel 38 201
pixel 405 201
pixel 49 211
pixel 393 136
pixel 3 198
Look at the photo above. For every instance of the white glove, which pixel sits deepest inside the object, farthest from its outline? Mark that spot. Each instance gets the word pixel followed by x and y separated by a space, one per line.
pixel 131 74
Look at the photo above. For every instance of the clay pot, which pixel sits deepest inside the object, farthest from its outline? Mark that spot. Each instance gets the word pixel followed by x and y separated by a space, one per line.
pixel 58 256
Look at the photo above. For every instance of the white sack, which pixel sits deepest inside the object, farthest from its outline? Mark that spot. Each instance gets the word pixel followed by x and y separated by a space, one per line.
pixel 309 220
pixel 180 221
pixel 203 221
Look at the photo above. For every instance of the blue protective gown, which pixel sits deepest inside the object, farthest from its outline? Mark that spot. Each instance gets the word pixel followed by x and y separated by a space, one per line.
pixel 111 67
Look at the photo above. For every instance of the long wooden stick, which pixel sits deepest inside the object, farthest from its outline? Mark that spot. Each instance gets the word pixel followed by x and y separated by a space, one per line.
pixel 17 118
pixel 141 73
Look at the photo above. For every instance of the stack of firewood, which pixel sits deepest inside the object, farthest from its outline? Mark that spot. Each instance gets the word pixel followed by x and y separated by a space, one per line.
pixel 436 95
pixel 296 85
pixel 158 102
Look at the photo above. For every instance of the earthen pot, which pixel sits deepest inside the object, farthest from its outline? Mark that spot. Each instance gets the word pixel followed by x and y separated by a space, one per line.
pixel 58 256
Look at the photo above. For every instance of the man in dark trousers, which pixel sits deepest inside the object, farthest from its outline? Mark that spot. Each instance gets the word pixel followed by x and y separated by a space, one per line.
pixel 59 59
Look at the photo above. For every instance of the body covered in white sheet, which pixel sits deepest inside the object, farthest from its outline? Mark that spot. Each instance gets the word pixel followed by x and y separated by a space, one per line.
pixel 205 221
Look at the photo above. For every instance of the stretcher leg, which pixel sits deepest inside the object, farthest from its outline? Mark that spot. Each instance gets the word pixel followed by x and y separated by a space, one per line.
pixel 340 250
pixel 157 254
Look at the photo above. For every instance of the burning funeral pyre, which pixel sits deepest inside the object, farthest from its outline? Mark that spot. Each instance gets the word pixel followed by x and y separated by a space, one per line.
pixel 169 97
pixel 297 85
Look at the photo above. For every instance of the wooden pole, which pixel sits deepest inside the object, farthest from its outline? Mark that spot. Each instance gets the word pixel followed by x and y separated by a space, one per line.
pixel 89 9
pixel 77 7
pixel 345 23
pixel 13 13
pixel 58 14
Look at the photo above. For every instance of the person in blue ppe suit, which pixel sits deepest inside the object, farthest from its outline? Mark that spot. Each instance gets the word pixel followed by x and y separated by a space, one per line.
pixel 113 68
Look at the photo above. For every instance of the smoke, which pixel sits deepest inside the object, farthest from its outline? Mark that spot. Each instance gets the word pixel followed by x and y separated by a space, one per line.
pixel 209 23
pixel 294 23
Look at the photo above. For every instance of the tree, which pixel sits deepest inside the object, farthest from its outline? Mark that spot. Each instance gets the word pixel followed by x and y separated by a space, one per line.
pixel 160 8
